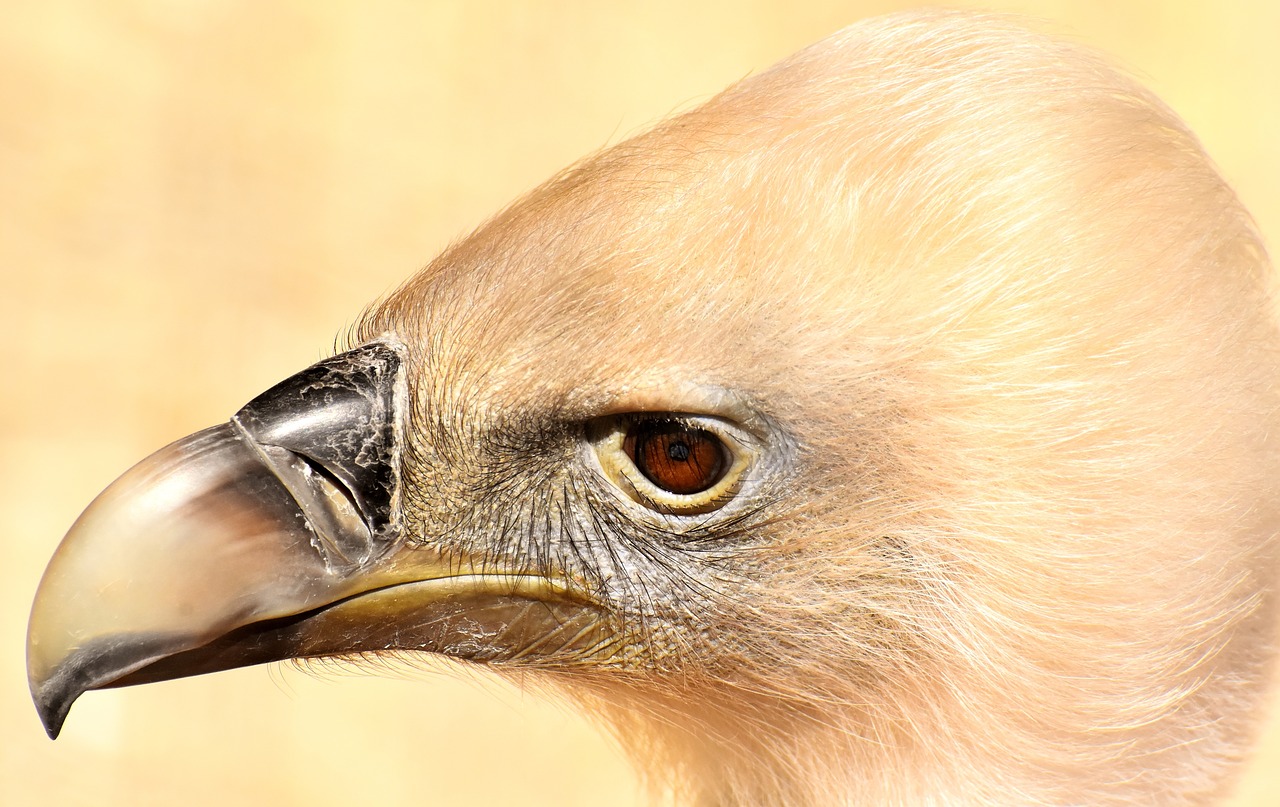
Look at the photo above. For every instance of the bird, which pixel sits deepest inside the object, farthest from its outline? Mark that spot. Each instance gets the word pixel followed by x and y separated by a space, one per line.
pixel 894 428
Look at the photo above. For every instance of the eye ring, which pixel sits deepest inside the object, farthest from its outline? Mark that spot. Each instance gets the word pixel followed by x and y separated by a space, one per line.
pixel 672 463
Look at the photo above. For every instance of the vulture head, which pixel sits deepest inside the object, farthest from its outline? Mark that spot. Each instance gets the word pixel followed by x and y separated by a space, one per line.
pixel 894 428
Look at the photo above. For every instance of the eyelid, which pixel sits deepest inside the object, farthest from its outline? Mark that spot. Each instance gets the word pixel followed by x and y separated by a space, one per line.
pixel 677 400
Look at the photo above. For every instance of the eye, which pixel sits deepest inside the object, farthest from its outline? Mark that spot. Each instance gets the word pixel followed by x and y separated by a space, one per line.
pixel 674 464
pixel 675 457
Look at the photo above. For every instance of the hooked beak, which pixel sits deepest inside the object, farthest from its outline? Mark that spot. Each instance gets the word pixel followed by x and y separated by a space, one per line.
pixel 276 535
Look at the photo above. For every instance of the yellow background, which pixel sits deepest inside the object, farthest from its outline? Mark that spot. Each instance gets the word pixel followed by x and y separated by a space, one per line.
pixel 195 197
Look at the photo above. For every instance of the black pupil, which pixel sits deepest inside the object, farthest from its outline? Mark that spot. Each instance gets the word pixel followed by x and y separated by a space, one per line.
pixel 678 451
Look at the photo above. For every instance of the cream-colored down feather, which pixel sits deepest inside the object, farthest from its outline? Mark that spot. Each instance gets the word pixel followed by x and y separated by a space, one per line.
pixel 1022 334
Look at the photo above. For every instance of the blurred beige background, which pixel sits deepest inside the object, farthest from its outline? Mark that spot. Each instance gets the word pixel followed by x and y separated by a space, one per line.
pixel 195 197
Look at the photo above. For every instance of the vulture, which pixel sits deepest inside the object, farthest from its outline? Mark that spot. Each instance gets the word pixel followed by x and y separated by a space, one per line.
pixel 894 428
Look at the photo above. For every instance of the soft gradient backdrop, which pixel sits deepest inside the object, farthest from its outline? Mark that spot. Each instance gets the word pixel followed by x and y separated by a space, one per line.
pixel 195 197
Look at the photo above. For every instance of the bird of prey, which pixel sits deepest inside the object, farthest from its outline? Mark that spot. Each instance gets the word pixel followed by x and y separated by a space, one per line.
pixel 896 428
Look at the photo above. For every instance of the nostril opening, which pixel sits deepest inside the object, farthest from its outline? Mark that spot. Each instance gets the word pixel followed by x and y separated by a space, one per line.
pixel 341 532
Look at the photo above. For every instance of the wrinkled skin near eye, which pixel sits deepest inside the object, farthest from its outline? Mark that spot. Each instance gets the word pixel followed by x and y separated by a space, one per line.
pixel 674 464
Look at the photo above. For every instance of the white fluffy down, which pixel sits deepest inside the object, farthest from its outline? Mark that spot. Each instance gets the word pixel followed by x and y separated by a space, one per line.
pixel 1023 334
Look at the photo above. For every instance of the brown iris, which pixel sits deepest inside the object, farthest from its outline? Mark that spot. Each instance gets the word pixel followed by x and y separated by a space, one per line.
pixel 675 457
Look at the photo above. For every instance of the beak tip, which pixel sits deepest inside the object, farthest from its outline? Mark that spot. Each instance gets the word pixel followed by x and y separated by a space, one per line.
pixel 53 706
pixel 95 664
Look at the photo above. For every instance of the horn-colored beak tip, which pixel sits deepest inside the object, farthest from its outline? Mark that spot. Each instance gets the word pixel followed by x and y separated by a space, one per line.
pixel 53 703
